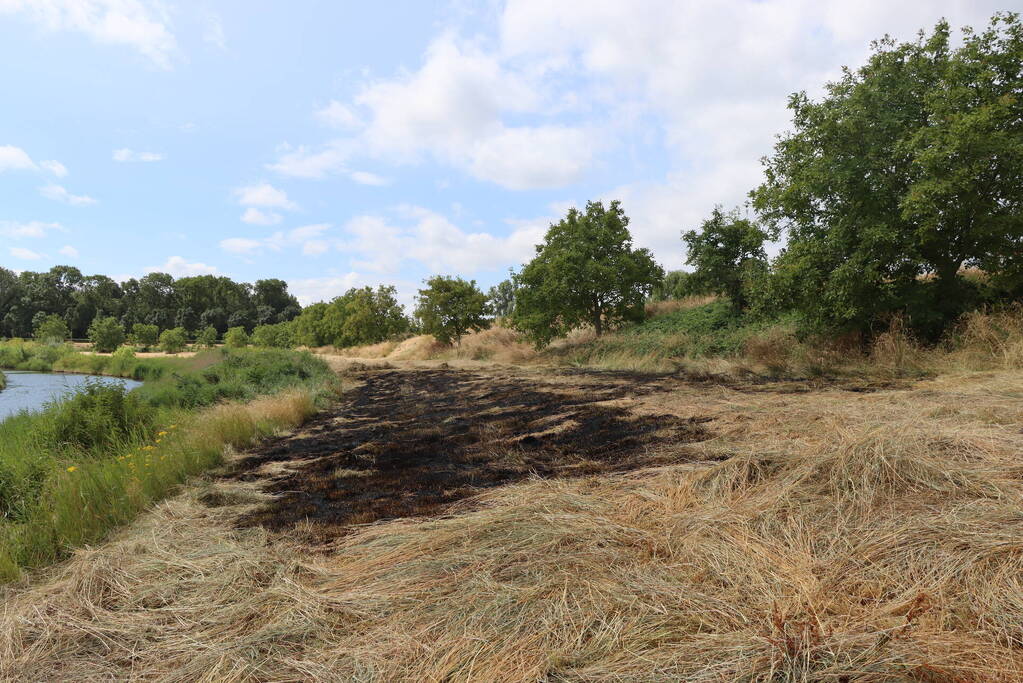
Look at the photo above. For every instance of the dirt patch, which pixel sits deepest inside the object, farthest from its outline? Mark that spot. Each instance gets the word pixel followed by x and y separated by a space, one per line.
pixel 411 443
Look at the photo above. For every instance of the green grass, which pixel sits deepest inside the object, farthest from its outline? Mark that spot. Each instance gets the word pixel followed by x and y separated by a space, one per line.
pixel 91 462
pixel 713 330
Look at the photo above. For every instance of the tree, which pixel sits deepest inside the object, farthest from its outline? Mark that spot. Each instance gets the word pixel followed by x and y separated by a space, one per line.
pixel 365 316
pixel 106 334
pixel 146 336
pixel 307 327
pixel 677 284
pixel 906 171
pixel 502 297
pixel 585 273
pixel 728 253
pixel 449 307
pixel 236 338
pixel 276 336
pixel 52 328
pixel 207 337
pixel 173 340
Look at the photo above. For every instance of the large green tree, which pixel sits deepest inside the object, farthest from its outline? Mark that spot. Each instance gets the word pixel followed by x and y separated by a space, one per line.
pixel 728 255
pixel 586 272
pixel 906 171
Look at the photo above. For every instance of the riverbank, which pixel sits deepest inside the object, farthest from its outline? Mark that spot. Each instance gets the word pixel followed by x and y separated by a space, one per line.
pixel 93 461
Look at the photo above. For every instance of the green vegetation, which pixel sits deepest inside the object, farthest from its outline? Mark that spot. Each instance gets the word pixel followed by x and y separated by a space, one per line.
pixel 449 307
pixel 585 273
pixel 91 462
pixel 359 316
pixel 728 254
pixel 236 338
pixel 50 328
pixel 207 338
pixel 174 340
pixel 905 173
pixel 156 299
pixel 144 336
pixel 106 334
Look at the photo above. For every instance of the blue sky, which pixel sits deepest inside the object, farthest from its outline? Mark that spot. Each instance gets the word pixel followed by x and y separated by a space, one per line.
pixel 337 144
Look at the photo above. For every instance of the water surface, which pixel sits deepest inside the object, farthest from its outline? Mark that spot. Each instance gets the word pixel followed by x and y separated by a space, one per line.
pixel 30 390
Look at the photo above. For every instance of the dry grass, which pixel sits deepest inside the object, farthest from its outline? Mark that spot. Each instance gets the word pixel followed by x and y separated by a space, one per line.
pixel 498 344
pixel 845 537
pixel 656 308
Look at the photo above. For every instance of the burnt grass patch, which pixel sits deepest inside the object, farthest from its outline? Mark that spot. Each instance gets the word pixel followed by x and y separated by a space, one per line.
pixel 411 443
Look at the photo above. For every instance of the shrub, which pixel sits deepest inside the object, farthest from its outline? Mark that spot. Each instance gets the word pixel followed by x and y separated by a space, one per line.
pixel 146 336
pixel 207 338
pixel 279 336
pixel 236 338
pixel 52 328
pixel 106 334
pixel 173 340
pixel 99 416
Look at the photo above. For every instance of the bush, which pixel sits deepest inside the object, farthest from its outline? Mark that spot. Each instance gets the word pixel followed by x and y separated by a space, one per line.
pixel 207 338
pixel 52 329
pixel 98 417
pixel 279 336
pixel 106 334
pixel 146 336
pixel 236 338
pixel 174 340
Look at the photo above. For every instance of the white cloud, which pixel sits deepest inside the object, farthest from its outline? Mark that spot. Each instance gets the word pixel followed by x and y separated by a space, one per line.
pixel 125 155
pixel 338 115
pixel 429 239
pixel 59 194
pixel 69 251
pixel 254 216
pixel 25 254
pixel 15 159
pixel 179 267
pixel 302 162
pixel 55 167
pixel 529 158
pixel 264 195
pixel 32 229
pixel 241 245
pixel 366 178
pixel 143 26
pixel 308 237
pixel 454 109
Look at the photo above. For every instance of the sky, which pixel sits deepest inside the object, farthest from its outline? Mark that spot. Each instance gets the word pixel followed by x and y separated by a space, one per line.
pixel 336 144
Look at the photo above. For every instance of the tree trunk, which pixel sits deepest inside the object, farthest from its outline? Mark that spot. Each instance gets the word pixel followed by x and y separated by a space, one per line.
pixel 598 322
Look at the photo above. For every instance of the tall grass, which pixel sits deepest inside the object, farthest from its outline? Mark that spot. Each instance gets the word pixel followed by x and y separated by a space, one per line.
pixel 90 462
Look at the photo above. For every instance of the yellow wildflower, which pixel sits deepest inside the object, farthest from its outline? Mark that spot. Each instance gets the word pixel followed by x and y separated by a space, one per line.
pixel 158 440
pixel 72 468
pixel 161 433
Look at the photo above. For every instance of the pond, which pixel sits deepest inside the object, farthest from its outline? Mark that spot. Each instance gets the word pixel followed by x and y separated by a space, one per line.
pixel 30 390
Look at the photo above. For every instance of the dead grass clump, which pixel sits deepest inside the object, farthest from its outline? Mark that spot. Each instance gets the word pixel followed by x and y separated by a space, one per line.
pixel 496 343
pixel 773 349
pixel 421 347
pixel 656 308
pixel 990 339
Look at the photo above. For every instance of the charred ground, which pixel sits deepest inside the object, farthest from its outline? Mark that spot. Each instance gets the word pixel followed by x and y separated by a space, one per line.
pixel 406 443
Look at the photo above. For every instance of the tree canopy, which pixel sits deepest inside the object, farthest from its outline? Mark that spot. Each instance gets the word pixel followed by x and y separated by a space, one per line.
pixel 585 273
pixel 908 170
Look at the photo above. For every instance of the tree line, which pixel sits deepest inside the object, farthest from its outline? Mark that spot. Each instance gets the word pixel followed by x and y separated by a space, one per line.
pixel 158 299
